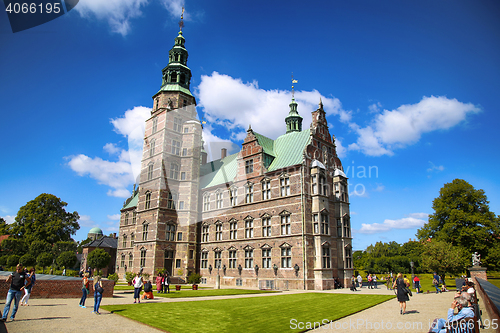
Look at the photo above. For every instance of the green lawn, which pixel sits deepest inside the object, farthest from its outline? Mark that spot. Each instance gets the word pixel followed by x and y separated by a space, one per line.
pixel 256 314
pixel 210 292
pixel 127 287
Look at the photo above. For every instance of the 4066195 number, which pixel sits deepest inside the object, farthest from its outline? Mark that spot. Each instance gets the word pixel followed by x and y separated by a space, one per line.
pixel 33 8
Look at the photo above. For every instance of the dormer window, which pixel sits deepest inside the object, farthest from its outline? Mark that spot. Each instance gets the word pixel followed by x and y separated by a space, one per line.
pixel 249 166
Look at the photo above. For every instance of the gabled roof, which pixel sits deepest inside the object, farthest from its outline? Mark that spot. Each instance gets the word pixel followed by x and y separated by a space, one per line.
pixel 105 241
pixel 133 202
pixel 219 171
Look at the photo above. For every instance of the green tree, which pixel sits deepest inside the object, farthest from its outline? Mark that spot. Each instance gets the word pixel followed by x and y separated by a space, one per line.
pixel 444 258
pixel 492 260
pixel 66 259
pixel 12 260
pixel 28 260
pixel 462 218
pixel 44 259
pixel 39 246
pixel 14 246
pixel 63 246
pixel 4 227
pixel 45 219
pixel 98 259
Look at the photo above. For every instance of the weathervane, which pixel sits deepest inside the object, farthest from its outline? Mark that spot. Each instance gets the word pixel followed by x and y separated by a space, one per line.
pixel 181 22
pixel 293 82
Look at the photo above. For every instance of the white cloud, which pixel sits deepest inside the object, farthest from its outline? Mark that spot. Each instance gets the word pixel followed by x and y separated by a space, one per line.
pixel 86 221
pixel 9 219
pixel 214 144
pixel 118 13
pixel 117 174
pixel 406 124
pixel 434 167
pixel 114 217
pixel 414 220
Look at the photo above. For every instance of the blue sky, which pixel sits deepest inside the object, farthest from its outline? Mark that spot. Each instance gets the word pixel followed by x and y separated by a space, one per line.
pixel 410 89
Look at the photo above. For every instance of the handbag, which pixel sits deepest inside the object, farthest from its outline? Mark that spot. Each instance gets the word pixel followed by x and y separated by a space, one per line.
pixel 99 289
pixel 408 291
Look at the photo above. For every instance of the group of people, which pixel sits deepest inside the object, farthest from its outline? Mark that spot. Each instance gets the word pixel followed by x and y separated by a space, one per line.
pixel 358 281
pixel 21 280
pixel 162 286
pixel 98 291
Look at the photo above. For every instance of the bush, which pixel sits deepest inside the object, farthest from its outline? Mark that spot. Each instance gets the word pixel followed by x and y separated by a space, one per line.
pixel 129 277
pixel 66 259
pixel 13 260
pixel 114 277
pixel 44 260
pixel 194 278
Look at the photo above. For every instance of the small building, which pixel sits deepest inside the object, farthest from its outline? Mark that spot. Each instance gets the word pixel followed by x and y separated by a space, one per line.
pixel 108 244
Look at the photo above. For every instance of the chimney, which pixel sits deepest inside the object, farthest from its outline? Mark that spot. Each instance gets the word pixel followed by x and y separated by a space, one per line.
pixel 114 235
pixel 223 153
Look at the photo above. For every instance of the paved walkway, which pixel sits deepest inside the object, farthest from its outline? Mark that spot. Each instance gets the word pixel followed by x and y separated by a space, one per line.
pixel 64 315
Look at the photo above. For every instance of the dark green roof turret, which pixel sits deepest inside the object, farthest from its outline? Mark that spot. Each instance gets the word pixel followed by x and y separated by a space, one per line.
pixel 177 73
pixel 294 120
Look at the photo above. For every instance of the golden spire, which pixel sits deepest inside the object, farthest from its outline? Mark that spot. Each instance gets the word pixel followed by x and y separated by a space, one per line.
pixel 293 90
pixel 181 22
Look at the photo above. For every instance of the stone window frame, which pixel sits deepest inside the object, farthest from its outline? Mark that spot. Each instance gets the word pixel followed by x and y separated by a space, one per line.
pixel 324 222
pixel 266 225
pixel 124 240
pixel 150 171
pixel 346 226
pixel 217 258
pixel 125 222
pixel 285 223
pixel 204 258
pixel 266 256
pixel 132 239
pixel 143 257
pixel 152 145
pixel 147 201
pixel 286 255
pixel 249 227
pixel 205 232
pixel 178 124
pixel 171 200
pixel 249 192
pixel 284 182
pixel 266 188
pixel 218 230
pixel 249 257
pixel 233 229
pixel 174 171
pixel 122 260
pixel 170 231
pixel 145 230
pixel 233 195
pixel 219 199
pixel 134 217
pixel 348 256
pixel 206 201
pixel 130 260
pixel 326 260
pixel 176 147
pixel 154 127
pixel 249 166
pixel 233 257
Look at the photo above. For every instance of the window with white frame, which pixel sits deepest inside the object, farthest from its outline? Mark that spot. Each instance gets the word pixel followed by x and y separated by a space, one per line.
pixel 124 241
pixel 170 233
pixel 181 205
pixel 266 189
pixel 126 219
pixel 286 228
pixel 184 151
pixel 152 147
pixel 206 202
pixel 122 261
pixel 204 259
pixel 183 175
pixel 249 228
pixel 323 187
pixel 174 171
pixel 143 257
pixel 249 166
pixel 347 229
pixel 218 231
pixel 286 257
pixel 233 229
pixel 176 147
pixel 172 198
pixel 218 259
pixel 178 124
pixel 326 257
pixel 284 186
pixel 147 203
pixel 150 171
pixel 266 258
pixel 219 199
pixel 145 227
pixel 325 226
pixel 204 233
pixel 232 258
pixel 130 260
pixel 134 217
pixel 266 226
pixel 339 228
pixel 155 122
pixel 249 193
pixel 132 238
pixel 248 258
pixel 316 223
pixel 314 184
pixel 233 196
pixel 348 258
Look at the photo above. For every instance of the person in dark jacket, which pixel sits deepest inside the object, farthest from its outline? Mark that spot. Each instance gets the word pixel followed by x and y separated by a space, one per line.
pixel 400 285
pixel 18 281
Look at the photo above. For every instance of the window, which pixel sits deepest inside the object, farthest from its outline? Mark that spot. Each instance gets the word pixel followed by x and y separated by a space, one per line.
pixel 177 263
pixel 126 218
pixel 232 258
pixel 174 171
pixel 249 258
pixel 178 124
pixel 148 200
pixel 179 237
pixel 286 257
pixel 206 202
pixel 191 254
pixel 134 217
pixel 266 226
pixel 186 129
pixel 266 258
pixel 249 193
pixel 155 121
pixel 122 261
pixel 285 186
pixel 184 151
pixel 181 204
pixel 314 184
pixel 204 233
pixel 347 230
pixel 316 223
pixel 172 198
pixel 325 226
pixel 218 231
pixel 152 147
pixel 157 105
pixel 170 234
pixel 130 260
pixel 176 147
pixel 339 228
pixel 150 171
pixel 233 230
pixel 249 166
pixel 143 257
pixel 323 187
pixel 169 254
pixel 132 240
pixel 204 259
pixel 248 228
pixel 326 257
pixel 348 258
pixel 183 175
pixel 285 225
pixel 145 227
pixel 124 244
pixel 218 259
pixel 266 189
pixel 218 199
pixel 233 195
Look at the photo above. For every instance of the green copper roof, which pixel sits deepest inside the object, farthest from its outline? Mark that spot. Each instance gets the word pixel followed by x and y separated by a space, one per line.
pixel 289 149
pixel 219 171
pixel 95 230
pixel 132 203
pixel 266 143
pixel 175 87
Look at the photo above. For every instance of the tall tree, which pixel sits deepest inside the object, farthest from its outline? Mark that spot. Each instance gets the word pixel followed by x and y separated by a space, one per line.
pixel 462 218
pixel 4 227
pixel 98 259
pixel 444 258
pixel 45 219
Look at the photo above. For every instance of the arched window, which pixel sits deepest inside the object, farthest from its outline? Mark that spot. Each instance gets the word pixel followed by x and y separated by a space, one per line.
pixel 145 228
pixel 206 202
pixel 150 171
pixel 152 147
pixel 148 200
pixel 174 171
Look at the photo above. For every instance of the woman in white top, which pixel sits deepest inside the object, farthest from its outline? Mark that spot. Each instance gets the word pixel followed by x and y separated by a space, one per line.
pixel 137 282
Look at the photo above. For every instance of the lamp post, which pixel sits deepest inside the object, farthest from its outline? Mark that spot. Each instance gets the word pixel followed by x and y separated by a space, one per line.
pixel 412 264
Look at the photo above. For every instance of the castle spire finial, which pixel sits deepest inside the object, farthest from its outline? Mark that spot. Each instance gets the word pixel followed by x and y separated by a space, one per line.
pixel 293 90
pixel 181 22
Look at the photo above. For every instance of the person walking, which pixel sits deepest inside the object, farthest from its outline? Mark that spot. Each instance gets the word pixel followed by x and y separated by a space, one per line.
pixel 435 282
pixel 166 283
pixel 138 283
pixel 401 286
pixel 98 291
pixel 17 281
pixel 360 281
pixel 374 281
pixel 28 288
pixel 353 283
pixel 159 283
pixel 370 281
pixel 416 280
pixel 85 290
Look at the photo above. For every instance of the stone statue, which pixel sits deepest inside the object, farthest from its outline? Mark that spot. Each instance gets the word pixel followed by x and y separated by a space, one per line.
pixel 476 259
